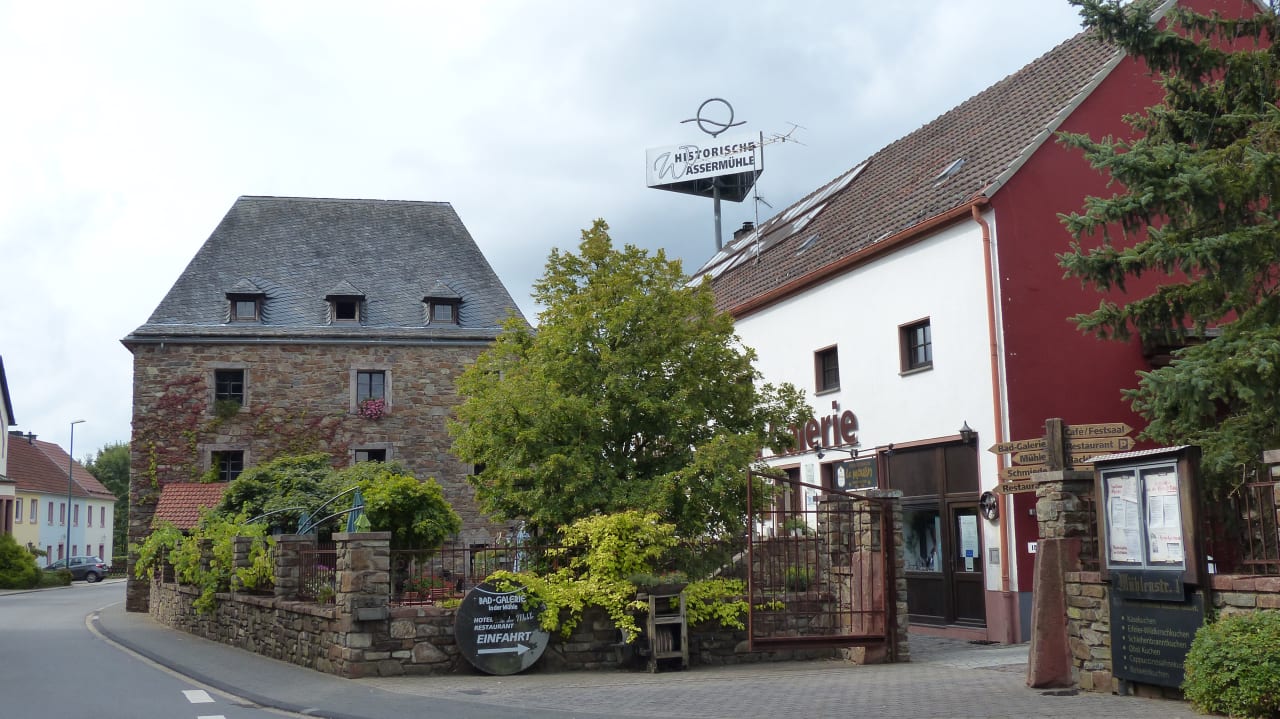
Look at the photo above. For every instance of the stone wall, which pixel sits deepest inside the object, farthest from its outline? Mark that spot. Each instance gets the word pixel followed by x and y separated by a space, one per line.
pixel 298 398
pixel 361 635
pixel 1066 511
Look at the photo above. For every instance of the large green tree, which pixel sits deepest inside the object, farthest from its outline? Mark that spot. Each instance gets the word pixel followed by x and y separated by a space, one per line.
pixel 1195 209
pixel 633 393
pixel 110 465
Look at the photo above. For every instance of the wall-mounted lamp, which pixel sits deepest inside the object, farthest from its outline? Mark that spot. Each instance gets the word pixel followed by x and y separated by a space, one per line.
pixel 968 434
pixel 822 451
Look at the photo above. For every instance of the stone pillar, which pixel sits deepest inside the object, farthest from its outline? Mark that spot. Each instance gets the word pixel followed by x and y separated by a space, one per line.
pixel 1067 519
pixel 289 548
pixel 240 547
pixel 863 578
pixel 363 600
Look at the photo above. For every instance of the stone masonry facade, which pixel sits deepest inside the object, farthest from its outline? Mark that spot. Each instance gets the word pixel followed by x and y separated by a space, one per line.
pixel 298 398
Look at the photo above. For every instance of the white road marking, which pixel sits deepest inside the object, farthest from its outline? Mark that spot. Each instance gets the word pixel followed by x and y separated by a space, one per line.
pixel 211 716
pixel 197 696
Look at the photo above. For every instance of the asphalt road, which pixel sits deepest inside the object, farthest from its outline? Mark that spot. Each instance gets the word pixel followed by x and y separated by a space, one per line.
pixel 76 652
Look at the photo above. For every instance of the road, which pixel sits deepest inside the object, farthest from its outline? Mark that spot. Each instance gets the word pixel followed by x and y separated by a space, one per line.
pixel 55 666
pixel 76 652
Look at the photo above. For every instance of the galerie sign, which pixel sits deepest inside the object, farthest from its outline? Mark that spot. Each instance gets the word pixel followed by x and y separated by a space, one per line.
pixel 496 632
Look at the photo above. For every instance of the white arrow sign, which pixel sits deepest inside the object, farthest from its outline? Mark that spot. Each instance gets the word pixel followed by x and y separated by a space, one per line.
pixel 519 649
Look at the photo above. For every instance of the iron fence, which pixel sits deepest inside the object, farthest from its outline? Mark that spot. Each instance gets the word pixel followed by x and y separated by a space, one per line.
pixel 1243 532
pixel 317 573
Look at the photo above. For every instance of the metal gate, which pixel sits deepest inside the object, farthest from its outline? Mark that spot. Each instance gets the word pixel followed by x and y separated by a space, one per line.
pixel 821 574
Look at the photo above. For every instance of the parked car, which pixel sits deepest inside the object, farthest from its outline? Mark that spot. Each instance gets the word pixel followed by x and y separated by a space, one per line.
pixel 90 569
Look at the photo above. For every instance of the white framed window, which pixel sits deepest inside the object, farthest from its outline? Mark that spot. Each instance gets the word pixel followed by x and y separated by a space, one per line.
pixel 17 511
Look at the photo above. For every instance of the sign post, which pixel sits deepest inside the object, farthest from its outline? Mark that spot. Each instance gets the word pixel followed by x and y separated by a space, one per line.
pixel 496 632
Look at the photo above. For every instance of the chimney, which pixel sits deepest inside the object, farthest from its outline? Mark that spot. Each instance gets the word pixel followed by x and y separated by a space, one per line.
pixel 746 228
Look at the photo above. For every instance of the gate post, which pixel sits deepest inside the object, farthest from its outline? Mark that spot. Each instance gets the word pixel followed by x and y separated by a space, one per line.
pixel 864 555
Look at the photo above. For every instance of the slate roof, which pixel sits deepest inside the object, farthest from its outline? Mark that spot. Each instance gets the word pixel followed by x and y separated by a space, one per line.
pixel 962 156
pixel 41 467
pixel 297 250
pixel 4 397
pixel 181 502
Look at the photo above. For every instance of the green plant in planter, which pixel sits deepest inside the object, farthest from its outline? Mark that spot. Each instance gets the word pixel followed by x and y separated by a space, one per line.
pixel 226 408
pixel 797 527
pixel 797 579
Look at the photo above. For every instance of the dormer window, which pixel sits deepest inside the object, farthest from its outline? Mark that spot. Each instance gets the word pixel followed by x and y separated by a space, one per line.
pixel 442 305
pixel 345 303
pixel 245 302
pixel 244 310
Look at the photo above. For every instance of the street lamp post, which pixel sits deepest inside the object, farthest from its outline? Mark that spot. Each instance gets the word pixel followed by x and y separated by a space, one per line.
pixel 71 463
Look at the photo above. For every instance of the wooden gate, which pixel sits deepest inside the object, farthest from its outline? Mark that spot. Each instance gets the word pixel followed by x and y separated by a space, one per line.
pixel 821 575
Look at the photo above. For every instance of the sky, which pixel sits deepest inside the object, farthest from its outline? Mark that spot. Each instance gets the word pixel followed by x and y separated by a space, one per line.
pixel 128 129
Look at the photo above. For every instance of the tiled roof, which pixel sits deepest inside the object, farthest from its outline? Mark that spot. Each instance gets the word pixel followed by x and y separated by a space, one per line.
pixel 41 467
pixel 297 250
pixel 181 502
pixel 961 156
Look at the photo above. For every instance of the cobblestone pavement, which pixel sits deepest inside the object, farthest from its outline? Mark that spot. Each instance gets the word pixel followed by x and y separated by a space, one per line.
pixel 946 678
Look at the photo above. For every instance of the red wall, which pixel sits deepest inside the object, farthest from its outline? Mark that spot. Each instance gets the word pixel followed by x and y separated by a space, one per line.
pixel 1052 370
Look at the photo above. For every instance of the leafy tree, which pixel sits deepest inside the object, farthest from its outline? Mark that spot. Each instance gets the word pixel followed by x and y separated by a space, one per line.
pixel 1196 212
pixel 287 486
pixel 633 393
pixel 111 467
pixel 416 513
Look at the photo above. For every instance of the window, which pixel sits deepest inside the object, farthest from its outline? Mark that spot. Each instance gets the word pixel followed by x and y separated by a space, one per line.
pixel 100 552
pixel 17 511
pixel 228 384
pixel 371 384
pixel 61 549
pixel 346 309
pixel 35 504
pixel 443 312
pixel 102 516
pixel 75 551
pixel 826 370
pixel 371 455
pixel 50 513
pixel 88 516
pixel 229 464
pixel 62 513
pixel 75 513
pixel 917 346
pixel 244 310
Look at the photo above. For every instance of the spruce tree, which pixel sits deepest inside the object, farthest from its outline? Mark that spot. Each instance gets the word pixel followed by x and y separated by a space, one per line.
pixel 1194 208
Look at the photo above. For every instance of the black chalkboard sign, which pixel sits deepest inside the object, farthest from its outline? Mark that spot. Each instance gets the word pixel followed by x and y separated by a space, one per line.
pixel 1150 639
pixel 496 633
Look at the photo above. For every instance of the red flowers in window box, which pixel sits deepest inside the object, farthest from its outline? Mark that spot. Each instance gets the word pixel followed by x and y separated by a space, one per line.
pixel 373 408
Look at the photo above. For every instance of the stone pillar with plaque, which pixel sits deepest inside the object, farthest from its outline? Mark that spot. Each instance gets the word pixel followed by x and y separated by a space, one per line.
pixel 1152 556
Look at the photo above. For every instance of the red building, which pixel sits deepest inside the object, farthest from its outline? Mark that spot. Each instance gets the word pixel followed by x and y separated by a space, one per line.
pixel 920 291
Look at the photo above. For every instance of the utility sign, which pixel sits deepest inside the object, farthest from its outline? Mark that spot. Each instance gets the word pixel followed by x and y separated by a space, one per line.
pixel 496 632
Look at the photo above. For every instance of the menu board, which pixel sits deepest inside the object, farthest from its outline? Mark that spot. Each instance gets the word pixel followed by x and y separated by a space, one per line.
pixel 1144 517
pixel 1164 517
pixel 1124 518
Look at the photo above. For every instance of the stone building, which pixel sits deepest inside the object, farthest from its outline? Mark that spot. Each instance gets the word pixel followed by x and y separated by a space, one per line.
pixel 312 325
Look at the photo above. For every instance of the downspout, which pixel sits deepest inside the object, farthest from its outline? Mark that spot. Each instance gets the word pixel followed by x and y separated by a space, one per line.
pixel 996 391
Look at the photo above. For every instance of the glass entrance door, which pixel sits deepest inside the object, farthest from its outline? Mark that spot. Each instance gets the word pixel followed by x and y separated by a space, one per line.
pixel 968 602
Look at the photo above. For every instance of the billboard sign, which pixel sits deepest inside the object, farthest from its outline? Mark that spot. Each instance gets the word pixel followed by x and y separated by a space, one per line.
pixel 695 168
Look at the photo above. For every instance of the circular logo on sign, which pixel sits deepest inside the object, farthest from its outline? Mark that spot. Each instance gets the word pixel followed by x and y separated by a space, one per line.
pixel 496 632
pixel 708 125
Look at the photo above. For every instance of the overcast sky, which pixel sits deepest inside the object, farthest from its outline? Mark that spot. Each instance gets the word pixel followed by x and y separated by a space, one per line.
pixel 129 128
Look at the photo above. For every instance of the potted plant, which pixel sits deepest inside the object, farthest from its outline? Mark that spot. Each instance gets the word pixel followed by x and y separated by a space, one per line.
pixel 797 579
pixel 665 583
pixel 797 527
pixel 373 408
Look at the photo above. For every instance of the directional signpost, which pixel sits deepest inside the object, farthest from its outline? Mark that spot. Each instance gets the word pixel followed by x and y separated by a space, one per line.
pixel 496 633
pixel 1080 444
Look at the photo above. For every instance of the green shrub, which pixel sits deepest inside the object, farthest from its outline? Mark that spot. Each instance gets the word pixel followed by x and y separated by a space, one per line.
pixel 18 568
pixel 1233 667
pixel 60 578
pixel 797 578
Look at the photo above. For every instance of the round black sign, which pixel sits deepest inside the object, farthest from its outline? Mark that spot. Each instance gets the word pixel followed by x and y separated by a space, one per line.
pixel 496 633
